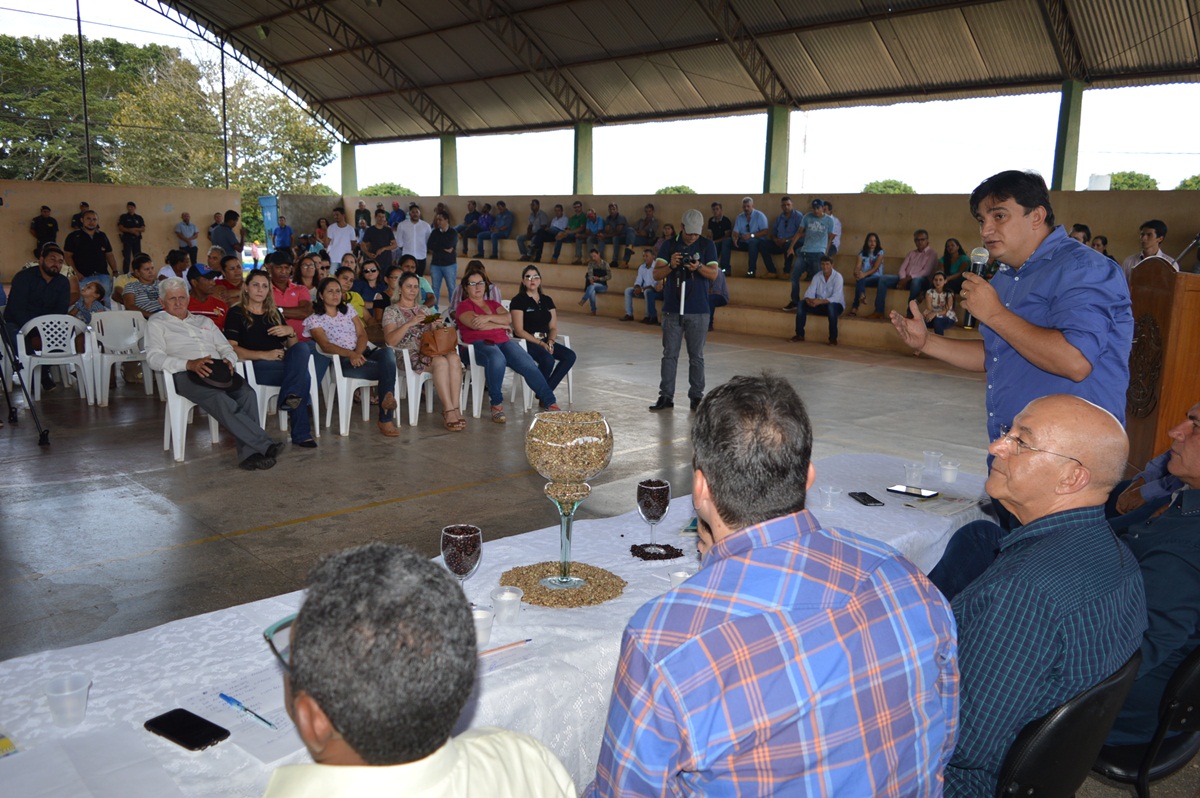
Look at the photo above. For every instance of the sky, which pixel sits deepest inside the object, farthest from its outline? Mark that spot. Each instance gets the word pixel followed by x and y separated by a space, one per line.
pixel 944 147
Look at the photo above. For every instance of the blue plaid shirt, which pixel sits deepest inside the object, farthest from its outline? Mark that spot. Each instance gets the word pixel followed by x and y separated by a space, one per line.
pixel 798 661
pixel 1060 610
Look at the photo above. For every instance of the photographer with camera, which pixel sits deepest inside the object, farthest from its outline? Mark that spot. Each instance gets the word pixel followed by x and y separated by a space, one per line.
pixel 687 264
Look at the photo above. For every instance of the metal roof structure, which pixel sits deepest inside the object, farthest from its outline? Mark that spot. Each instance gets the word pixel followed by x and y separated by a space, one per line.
pixel 391 70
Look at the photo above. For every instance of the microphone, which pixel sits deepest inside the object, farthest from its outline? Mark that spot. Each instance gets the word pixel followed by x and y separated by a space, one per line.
pixel 979 259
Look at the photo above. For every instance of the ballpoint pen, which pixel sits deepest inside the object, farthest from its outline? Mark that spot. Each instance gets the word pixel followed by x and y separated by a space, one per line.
pixel 505 648
pixel 238 705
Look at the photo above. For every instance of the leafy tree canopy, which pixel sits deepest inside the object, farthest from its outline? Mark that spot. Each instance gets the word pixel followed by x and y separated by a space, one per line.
pixel 387 190
pixel 1189 184
pixel 1133 181
pixel 676 190
pixel 888 187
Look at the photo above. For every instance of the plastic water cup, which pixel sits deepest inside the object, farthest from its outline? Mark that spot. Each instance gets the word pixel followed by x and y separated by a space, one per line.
pixel 932 460
pixel 828 494
pixel 483 626
pixel 506 601
pixel 67 697
pixel 949 471
pixel 912 474
pixel 679 577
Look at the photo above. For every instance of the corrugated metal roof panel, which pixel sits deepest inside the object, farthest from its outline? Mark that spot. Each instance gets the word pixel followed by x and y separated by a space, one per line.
pixel 1013 41
pixel 794 65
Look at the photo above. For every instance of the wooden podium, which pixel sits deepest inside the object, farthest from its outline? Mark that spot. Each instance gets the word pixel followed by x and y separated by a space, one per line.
pixel 1164 363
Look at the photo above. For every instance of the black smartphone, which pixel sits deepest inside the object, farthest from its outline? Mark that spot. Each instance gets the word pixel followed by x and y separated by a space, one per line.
pixel 865 499
pixel 921 493
pixel 187 729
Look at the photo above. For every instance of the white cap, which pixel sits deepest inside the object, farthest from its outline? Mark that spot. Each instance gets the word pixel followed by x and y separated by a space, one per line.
pixel 693 222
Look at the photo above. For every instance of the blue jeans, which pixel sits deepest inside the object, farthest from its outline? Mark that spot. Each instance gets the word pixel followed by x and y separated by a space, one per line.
pixel 380 365
pixel 885 282
pixel 810 264
pixel 831 310
pixel 571 239
pixel 649 294
pixel 493 236
pixel 495 358
pixel 714 301
pixel 105 280
pixel 971 550
pixel 602 243
pixel 632 239
pixel 861 286
pixel 676 328
pixel 554 366
pixel 448 275
pixel 767 248
pixel 590 292
pixel 940 324
pixel 291 375
pixel 652 299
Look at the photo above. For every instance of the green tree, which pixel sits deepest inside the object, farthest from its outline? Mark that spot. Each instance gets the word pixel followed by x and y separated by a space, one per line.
pixel 888 187
pixel 675 190
pixel 1133 181
pixel 1189 184
pixel 387 190
pixel 319 190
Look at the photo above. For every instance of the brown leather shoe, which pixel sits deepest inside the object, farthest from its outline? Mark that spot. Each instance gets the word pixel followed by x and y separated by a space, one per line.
pixel 795 339
pixel 626 317
pixel 875 316
pixel 388 428
pixel 833 342
pixel 577 262
pixel 554 260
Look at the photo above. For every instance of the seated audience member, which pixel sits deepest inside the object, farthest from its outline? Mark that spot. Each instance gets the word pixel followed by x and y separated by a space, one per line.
pixel 202 301
pixel 574 233
pixel 643 282
pixel 194 349
pixel 1165 545
pixel 409 264
pixel 535 321
pixel 91 300
pixel 291 300
pixel 558 223
pixel 214 258
pixel 307 275
pixel 613 230
pixel 868 271
pixel 228 284
pixel 593 227
pixel 483 324
pixel 258 335
pixel 937 308
pixel 1152 234
pixel 800 660
pixel 720 231
pixel 667 233
pixel 501 228
pixel 718 296
pixel 403 325
pixel 955 264
pixel 38 292
pixel 345 277
pixel 493 290
pixel 1100 244
pixel 339 332
pixel 596 279
pixel 826 296
pixel 1081 233
pixel 178 264
pixel 381 662
pixel 469 227
pixel 914 273
pixel 1054 606
pixel 142 293
pixel 748 226
pixel 370 284
pixel 1147 494
pixel 535 233
pixel 638 235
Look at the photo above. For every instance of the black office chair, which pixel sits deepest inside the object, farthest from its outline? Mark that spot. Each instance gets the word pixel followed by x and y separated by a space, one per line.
pixel 1052 755
pixel 1178 711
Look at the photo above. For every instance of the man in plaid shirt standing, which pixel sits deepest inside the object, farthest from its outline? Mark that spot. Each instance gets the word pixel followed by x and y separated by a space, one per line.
pixel 799 660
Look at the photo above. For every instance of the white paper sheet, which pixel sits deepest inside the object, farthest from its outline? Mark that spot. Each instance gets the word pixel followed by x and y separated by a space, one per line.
pixel 261 691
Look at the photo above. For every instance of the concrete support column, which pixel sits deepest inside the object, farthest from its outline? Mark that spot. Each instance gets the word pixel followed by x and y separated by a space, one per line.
pixel 349 172
pixel 1066 147
pixel 775 167
pixel 449 166
pixel 582 182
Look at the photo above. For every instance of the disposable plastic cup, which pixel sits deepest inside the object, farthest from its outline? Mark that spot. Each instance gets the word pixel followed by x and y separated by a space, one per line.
pixel 67 697
pixel 949 471
pixel 506 601
pixel 828 495
pixel 932 459
pixel 679 577
pixel 912 474
pixel 483 626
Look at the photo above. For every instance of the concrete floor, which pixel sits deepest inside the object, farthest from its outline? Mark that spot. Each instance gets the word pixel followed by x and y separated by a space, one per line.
pixel 102 534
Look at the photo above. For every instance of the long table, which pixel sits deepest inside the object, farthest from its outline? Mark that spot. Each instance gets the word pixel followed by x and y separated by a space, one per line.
pixel 557 688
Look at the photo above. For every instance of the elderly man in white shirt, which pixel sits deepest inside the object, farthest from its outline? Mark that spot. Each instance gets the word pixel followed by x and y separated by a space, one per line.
pixel 825 296
pixel 179 342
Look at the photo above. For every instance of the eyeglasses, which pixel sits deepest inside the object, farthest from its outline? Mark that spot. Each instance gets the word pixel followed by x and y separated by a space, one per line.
pixel 475 283
pixel 279 637
pixel 1007 435
pixel 370 271
pixel 531 277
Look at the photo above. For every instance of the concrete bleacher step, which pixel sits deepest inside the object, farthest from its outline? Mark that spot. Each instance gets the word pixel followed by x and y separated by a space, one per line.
pixel 755 305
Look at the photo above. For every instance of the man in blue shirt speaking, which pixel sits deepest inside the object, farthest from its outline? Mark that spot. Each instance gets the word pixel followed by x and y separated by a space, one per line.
pixel 1056 317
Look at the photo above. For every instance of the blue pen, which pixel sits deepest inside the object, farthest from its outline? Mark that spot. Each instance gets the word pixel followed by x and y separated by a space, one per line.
pixel 238 705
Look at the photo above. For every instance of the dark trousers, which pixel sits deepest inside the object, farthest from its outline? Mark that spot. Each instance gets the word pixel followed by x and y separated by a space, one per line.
pixel 554 366
pixel 831 310
pixel 714 301
pixel 131 247
pixel 291 375
pixel 236 410
pixel 193 253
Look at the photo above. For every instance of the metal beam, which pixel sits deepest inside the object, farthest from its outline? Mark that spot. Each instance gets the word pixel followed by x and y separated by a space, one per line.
pixel 249 57
pixel 581 182
pixel 349 171
pixel 775 169
pixel 449 176
pixel 748 52
pixel 514 34
pixel 1066 146
pixel 1062 35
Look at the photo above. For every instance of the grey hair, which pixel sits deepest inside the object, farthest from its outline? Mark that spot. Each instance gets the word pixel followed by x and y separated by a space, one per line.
pixel 171 283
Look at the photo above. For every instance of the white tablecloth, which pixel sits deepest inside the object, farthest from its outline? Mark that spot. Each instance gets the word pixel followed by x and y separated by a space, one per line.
pixel 558 692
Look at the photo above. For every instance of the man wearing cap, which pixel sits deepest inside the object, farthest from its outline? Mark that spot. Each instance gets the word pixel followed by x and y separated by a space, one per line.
pixel 203 300
pixel 187 234
pixel 201 362
pixel 281 236
pixel 44 229
pixel 413 236
pixel 501 228
pixel 396 216
pixel 89 252
pixel 130 227
pixel 749 225
pixel 77 219
pixel 687 264
pixel 537 232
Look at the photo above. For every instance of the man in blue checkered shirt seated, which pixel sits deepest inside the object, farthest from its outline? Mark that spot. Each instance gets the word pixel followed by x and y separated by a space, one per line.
pixel 1061 606
pixel 799 660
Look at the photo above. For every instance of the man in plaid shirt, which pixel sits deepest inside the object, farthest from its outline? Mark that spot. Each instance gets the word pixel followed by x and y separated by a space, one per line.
pixel 798 660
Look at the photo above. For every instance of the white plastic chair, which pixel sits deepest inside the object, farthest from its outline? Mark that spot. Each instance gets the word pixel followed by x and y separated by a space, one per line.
pixel 118 336
pixel 268 396
pixel 58 333
pixel 527 397
pixel 344 387
pixel 477 382
pixel 412 385
pixel 179 413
